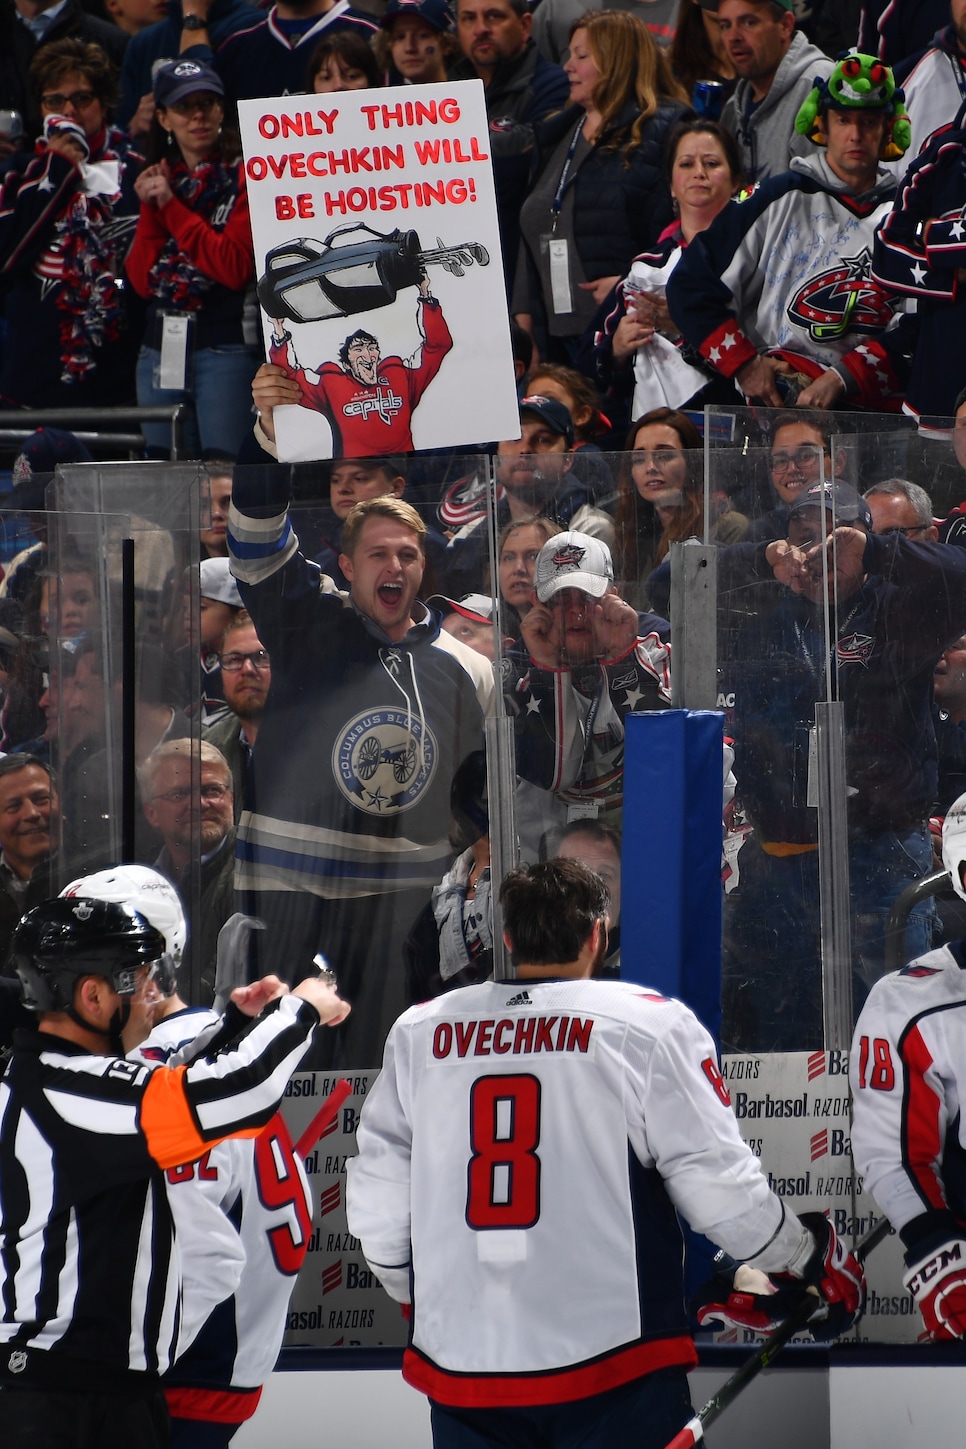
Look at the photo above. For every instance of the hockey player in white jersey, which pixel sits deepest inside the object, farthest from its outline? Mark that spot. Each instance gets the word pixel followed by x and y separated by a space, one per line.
pixel 908 1075
pixel 243 1214
pixel 522 1160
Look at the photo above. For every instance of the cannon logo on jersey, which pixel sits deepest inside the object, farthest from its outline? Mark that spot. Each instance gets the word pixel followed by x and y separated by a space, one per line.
pixel 841 299
pixel 384 759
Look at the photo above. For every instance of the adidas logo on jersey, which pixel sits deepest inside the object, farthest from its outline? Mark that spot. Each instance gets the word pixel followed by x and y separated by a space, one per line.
pixel 522 1000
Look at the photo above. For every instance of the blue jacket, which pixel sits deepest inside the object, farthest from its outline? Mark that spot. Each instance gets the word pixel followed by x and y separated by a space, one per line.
pixel 163 42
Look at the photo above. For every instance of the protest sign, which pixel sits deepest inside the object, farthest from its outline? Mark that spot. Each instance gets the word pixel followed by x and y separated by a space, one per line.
pixel 380 279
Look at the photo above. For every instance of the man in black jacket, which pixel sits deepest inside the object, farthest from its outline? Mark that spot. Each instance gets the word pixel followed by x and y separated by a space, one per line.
pixel 24 28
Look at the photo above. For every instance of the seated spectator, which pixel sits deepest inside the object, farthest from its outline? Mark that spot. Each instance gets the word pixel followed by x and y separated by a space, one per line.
pixel 343 61
pixel 215 502
pixel 451 942
pixel 698 52
pixel 219 603
pixel 352 480
pixel 67 215
pixel 585 664
pixel 920 253
pixel 270 57
pixel 25 28
pixel 68 603
pixel 639 352
pixel 518 548
pixel 29 819
pixel 469 619
pixel 533 475
pixel 898 506
pixel 598 846
pixel 759 293
pixel 246 676
pixel 776 67
pixel 416 44
pixel 192 253
pixel 801 455
pixel 601 182
pixel 591 426
pixel 660 501
pixel 187 796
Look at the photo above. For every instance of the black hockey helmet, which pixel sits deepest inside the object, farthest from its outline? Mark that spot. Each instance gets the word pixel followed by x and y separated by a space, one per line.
pixel 62 940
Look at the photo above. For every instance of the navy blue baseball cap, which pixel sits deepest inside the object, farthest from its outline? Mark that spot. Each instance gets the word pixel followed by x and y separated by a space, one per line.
pixel 849 506
pixel 551 412
pixel 181 78
pixel 435 13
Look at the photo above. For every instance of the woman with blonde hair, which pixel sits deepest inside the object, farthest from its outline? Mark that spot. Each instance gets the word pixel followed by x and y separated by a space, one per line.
pixel 601 196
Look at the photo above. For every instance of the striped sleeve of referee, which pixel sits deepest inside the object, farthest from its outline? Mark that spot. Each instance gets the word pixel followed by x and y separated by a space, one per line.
pixel 185 1110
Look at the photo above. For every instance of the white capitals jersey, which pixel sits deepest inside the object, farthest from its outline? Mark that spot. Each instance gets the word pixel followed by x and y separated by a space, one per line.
pixel 531 1142
pixel 907 1070
pixel 261 1195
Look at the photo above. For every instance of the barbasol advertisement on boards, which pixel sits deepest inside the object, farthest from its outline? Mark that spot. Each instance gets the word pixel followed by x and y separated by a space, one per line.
pixel 378 269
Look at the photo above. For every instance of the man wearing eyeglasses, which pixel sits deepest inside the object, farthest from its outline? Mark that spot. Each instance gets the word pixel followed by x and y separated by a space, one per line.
pixel 187 793
pixel 246 675
pixel 898 506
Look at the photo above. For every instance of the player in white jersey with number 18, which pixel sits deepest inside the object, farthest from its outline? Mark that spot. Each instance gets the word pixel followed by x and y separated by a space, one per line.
pixel 522 1161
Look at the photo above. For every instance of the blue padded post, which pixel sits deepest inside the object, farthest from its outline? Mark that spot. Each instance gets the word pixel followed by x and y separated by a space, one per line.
pixel 671 859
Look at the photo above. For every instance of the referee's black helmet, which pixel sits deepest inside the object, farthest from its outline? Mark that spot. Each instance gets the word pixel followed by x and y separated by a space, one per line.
pixel 62 940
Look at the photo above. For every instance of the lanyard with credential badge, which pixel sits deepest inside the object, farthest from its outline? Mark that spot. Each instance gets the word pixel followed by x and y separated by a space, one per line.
pixel 558 248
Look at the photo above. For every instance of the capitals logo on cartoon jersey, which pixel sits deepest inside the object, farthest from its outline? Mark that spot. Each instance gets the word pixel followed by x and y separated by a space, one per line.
pixel 384 759
pixel 843 298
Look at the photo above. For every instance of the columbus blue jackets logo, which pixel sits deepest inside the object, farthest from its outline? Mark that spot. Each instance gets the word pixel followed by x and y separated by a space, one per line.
pixel 841 299
pixel 855 649
pixel 384 759
pixel 568 556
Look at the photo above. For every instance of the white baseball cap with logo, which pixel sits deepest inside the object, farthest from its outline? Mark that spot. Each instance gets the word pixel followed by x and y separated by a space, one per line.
pixel 573 561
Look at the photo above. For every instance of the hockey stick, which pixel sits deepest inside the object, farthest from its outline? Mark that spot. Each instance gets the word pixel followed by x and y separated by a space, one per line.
pixel 763 1357
pixel 326 1114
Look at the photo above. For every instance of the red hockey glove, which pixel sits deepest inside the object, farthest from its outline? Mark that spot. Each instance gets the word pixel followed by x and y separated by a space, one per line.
pixel 936 1278
pixel 737 1296
pixel 838 1276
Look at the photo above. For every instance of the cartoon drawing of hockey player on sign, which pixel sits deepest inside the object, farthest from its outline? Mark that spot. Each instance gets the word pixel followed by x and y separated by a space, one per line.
pixel 367 399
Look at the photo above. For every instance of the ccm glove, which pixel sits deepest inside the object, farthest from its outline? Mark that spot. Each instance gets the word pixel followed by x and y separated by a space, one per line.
pixel 737 1296
pixel 836 1273
pixel 936 1278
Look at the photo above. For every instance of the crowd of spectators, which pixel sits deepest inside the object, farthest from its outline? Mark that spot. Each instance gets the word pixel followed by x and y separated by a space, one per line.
pixel 697 204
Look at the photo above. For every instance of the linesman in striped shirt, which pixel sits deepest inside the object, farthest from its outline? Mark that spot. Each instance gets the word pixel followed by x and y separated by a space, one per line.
pixel 90 1277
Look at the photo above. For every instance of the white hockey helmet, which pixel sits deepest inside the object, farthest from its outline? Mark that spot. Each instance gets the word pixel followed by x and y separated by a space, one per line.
pixel 954 844
pixel 153 896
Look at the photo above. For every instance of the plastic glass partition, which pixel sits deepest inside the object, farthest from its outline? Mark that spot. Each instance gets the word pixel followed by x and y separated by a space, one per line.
pixel 124 679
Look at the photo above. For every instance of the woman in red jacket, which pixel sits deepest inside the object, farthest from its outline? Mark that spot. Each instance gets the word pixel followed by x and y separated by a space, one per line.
pixel 192 260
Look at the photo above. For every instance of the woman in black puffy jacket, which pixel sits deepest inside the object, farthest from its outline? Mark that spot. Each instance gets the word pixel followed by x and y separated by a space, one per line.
pixel 601 195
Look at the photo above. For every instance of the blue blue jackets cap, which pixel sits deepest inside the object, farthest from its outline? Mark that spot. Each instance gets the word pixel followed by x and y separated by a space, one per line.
pixel 435 13
pixel 181 78
pixel 551 412
pixel 849 506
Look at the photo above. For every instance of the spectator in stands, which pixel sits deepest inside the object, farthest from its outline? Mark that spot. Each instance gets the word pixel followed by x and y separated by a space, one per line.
pixel 761 293
pixel 591 426
pixel 698 52
pixel 187 793
pixel 587 660
pixel 133 16
pixel 33 470
pixel 801 455
pixel 372 710
pixel 219 602
pixel 949 717
pixel 26 26
pixel 351 481
pixel 246 674
pixel 554 21
pixel 895 31
pixel 215 502
pixel 898 604
pixel 522 88
pixel 79 697
pixel 270 57
pixel 343 61
pixel 598 846
pixel 66 218
pixel 933 81
pixel 28 835
pixel 451 942
pixel 469 619
pixel 533 477
pixel 660 501
pixel 638 349
pixel 518 548
pixel 601 187
pixel 194 29
pixel 898 506
pixel 776 69
pixel 192 254
pixel 920 252
pixel 416 44
pixel 68 601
